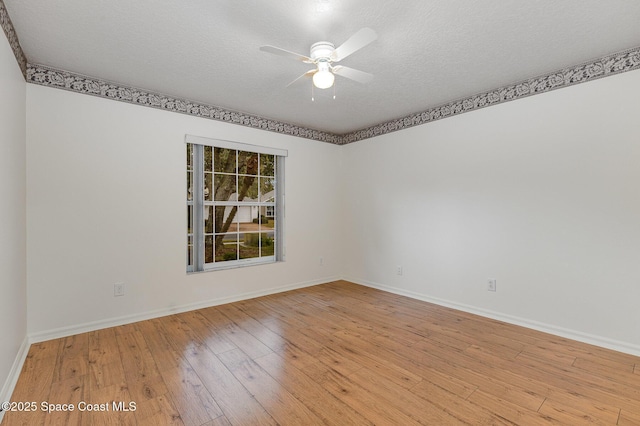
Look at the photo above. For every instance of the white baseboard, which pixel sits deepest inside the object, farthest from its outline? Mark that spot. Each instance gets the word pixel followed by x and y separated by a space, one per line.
pixel 14 373
pixel 579 336
pixel 127 319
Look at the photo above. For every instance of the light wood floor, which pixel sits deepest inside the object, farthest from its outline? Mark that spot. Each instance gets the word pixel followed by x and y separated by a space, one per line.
pixel 338 354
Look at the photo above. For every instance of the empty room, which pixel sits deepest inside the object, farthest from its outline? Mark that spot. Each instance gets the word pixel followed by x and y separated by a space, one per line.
pixel 307 212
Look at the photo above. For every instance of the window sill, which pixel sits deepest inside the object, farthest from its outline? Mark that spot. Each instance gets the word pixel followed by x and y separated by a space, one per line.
pixel 237 264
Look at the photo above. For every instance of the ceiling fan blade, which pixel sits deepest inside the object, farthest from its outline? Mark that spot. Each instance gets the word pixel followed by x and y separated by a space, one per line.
pixel 353 74
pixel 282 52
pixel 305 75
pixel 354 43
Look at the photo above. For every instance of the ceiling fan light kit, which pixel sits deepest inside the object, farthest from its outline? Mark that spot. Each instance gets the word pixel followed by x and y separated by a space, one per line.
pixel 323 54
pixel 323 78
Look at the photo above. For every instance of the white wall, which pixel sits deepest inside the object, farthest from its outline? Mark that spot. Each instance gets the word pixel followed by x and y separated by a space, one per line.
pixel 106 204
pixel 13 292
pixel 542 194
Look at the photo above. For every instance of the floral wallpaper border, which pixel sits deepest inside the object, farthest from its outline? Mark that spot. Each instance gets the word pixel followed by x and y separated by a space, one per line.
pixel 616 63
pixel 10 32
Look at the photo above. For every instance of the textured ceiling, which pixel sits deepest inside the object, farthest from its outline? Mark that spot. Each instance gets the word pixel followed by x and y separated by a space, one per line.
pixel 427 53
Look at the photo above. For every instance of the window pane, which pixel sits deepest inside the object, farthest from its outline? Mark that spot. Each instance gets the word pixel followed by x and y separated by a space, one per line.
pixel 208 159
pixel 208 249
pixel 267 165
pixel 189 186
pixel 250 245
pixel 189 251
pixel 208 219
pixel 266 243
pixel 268 224
pixel 189 156
pixel 226 219
pixel 189 219
pixel 226 247
pixel 248 218
pixel 208 186
pixel 248 188
pixel 225 186
pixel 267 186
pixel 224 160
pixel 247 163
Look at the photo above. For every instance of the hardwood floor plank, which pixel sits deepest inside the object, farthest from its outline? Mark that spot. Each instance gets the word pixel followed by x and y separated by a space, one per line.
pixel 610 369
pixel 365 356
pixel 34 383
pixel 583 379
pixel 359 399
pixel 118 393
pixel 324 405
pixel 329 356
pixel 68 391
pixel 105 375
pixel 190 397
pixel 277 401
pixel 103 347
pixel 136 357
pixel 236 402
pixel 479 371
pixel 578 413
pixel 258 330
pixel 73 358
pixel 436 410
pixel 207 332
pixel 235 334
pixel 510 411
pixel 162 352
pixel 568 415
pixel 629 418
pixel 550 356
pixel 140 369
pixel 147 387
pixel 158 411
pixel 220 421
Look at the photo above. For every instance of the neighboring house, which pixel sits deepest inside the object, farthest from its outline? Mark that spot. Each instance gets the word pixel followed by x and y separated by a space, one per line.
pixel 247 214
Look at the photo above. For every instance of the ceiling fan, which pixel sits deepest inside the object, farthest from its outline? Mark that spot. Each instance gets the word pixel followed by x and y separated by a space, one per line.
pixel 324 54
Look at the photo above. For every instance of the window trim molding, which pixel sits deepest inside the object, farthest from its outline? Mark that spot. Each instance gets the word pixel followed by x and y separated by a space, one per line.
pixel 238 146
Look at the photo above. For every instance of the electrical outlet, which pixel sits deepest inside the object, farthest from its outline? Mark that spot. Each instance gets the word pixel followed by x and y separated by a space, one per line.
pixel 491 284
pixel 399 270
pixel 118 289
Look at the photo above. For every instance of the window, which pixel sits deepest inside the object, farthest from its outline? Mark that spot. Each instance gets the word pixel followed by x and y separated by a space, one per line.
pixel 235 201
pixel 269 211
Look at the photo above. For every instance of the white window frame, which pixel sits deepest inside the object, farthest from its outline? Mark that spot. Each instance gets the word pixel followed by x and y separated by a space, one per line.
pixel 198 204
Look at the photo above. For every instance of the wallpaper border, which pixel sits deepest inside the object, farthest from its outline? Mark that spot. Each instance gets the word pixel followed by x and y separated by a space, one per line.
pixel 12 37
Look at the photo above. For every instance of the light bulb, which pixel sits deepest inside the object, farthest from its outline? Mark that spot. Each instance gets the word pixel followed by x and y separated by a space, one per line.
pixel 323 79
